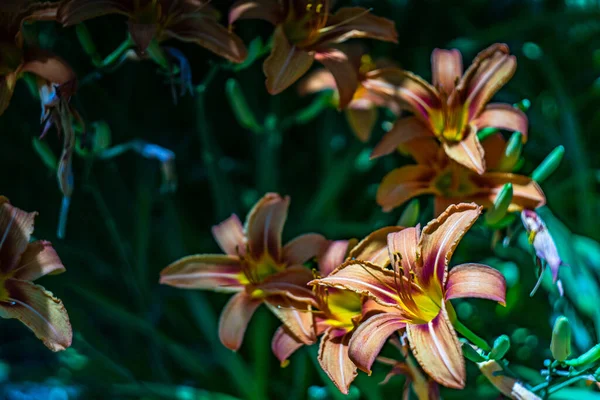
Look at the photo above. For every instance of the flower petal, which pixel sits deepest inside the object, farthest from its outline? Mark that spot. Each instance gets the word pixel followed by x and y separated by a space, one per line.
pixel 267 10
pixel 406 243
pixel 296 317
pixel 506 384
pixel 303 248
pixel 39 259
pixel 476 280
pixel 436 347
pixel 208 33
pixel 16 227
pixel 426 151
pixel 291 283
pixel 439 239
pixel 447 68
pixel 235 318
pixel 373 248
pixel 402 184
pixel 220 273
pixel 284 344
pixel 49 67
pixel 370 336
pixel 467 152
pixel 7 88
pixel 286 64
pixel 403 131
pixel 229 234
pixel 264 226
pixel 332 256
pixel 357 22
pixel 527 194
pixel 361 121
pixel 317 81
pixel 40 311
pixel 503 116
pixel 333 358
pixel 72 12
pixel 344 73
pixel 494 149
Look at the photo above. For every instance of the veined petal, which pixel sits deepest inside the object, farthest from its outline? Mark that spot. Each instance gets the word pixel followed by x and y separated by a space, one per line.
pixel 357 22
pixel 49 67
pixel 286 64
pixel 402 184
pixel 527 194
pixel 333 358
pixel 267 10
pixel 494 148
pixel 447 69
pixel 344 73
pixel 296 317
pixel 317 81
pixel 425 151
pixel 476 280
pixel 16 227
pixel 303 248
pixel 264 226
pixel 291 283
pixel 436 347
pixel 72 12
pixel 503 116
pixel 361 120
pixel 365 279
pixel 439 239
pixel 211 35
pixel 467 152
pixel 39 259
pixel 368 339
pixel 403 131
pixel 235 318
pixel 220 273
pixel 332 256
pixel 284 344
pixel 373 248
pixel 406 243
pixel 229 234
pixel 40 311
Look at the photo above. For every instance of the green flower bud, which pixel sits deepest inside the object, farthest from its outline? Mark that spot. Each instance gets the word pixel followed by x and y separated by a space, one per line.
pixel 500 207
pixel 512 152
pixel 500 348
pixel 561 339
pixel 470 353
pixel 549 165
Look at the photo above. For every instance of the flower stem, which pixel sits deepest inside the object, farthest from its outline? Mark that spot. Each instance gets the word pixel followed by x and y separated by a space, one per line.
pixel 472 337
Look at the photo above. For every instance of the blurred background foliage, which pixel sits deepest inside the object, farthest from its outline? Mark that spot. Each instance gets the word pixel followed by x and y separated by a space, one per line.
pixel 137 339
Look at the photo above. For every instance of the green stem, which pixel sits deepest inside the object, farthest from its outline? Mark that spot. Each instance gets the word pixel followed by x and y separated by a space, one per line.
pixel 267 151
pixel 117 53
pixel 472 337
pixel 564 384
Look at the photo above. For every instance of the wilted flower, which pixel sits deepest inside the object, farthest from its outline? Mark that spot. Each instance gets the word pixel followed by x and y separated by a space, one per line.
pixel 361 112
pixel 192 21
pixel 15 59
pixel 506 384
pixel 451 183
pixel 546 252
pixel 418 288
pixel 21 263
pixel 306 31
pixel 454 108
pixel 257 269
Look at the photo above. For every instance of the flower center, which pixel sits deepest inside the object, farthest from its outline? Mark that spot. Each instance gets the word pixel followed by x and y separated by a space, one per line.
pixel 256 271
pixel 302 26
pixel 451 121
pixel 453 181
pixel 340 307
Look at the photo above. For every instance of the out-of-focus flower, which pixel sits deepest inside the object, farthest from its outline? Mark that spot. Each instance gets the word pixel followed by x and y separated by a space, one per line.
pixel 546 252
pixel 16 59
pixel 192 21
pixel 337 315
pixel 451 183
pixel 361 112
pixel 306 31
pixel 455 107
pixel 21 263
pixel 258 269
pixel 423 387
pixel 418 288
pixel 506 384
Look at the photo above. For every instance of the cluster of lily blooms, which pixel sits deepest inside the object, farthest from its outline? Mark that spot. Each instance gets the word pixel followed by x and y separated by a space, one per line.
pixel 356 295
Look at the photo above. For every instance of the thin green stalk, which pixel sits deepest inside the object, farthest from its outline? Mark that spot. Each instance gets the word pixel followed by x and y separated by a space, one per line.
pixel 267 157
pixel 469 335
pixel 117 53
pixel 261 348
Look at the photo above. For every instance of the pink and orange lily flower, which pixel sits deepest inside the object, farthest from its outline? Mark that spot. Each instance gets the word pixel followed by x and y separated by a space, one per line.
pixel 456 106
pixel 21 263
pixel 419 288
pixel 16 58
pixel 361 113
pixel 193 21
pixel 451 183
pixel 306 31
pixel 257 269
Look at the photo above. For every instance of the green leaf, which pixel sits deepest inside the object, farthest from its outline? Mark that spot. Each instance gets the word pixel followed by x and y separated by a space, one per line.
pixel 410 215
pixel 240 106
pixel 45 153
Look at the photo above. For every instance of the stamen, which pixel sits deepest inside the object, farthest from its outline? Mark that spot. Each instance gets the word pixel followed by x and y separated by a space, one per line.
pixel 330 28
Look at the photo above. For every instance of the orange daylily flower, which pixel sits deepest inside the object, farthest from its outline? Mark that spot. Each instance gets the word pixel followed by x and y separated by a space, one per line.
pixel 451 183
pixel 192 21
pixel 17 59
pixel 361 112
pixel 21 263
pixel 306 31
pixel 257 268
pixel 419 289
pixel 455 107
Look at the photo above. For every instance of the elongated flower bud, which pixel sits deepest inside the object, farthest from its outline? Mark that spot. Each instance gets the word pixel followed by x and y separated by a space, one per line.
pixel 549 165
pixel 501 346
pixel 561 339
